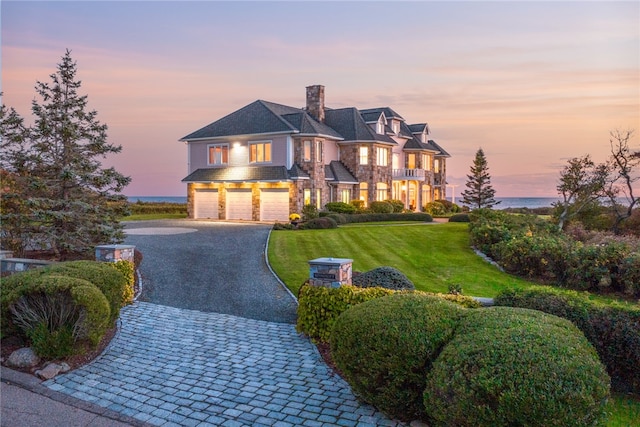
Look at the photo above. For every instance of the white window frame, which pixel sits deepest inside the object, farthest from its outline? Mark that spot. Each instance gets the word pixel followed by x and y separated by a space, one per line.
pixel 382 156
pixel 381 191
pixel 266 154
pixel 318 151
pixel 214 162
pixel 345 195
pixel 364 155
pixel 436 165
pixel 306 197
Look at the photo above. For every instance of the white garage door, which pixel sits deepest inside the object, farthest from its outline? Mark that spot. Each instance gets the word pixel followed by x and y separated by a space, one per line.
pixel 206 204
pixel 274 205
pixel 239 204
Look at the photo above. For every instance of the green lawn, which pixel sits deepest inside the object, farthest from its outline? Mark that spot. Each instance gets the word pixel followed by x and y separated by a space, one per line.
pixel 623 410
pixel 433 256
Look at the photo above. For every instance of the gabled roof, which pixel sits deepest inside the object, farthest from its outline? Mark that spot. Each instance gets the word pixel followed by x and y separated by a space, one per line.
pixel 239 174
pixel 419 128
pixel 441 150
pixel 388 112
pixel 296 172
pixel 349 123
pixel 336 171
pixel 306 125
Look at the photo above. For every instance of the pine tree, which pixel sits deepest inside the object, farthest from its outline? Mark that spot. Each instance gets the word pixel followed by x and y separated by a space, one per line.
pixel 73 203
pixel 479 193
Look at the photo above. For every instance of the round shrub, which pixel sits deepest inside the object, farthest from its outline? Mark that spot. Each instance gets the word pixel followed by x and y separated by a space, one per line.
pixel 42 310
pixel 113 284
pixel 381 206
pixel 340 207
pixel 383 277
pixel 319 223
pixel 385 346
pixel 338 218
pixel 509 366
pixel 434 208
pixel 398 205
pixel 460 217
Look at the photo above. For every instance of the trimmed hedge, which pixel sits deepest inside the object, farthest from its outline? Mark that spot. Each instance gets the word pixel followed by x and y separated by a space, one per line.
pixel 319 307
pixel 340 207
pixel 84 294
pixel 509 366
pixel 381 206
pixel 318 224
pixel 382 217
pixel 460 217
pixel 612 328
pixel 385 347
pixel 383 277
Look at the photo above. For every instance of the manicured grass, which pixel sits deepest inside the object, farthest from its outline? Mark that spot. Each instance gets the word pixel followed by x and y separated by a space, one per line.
pixel 623 411
pixel 433 256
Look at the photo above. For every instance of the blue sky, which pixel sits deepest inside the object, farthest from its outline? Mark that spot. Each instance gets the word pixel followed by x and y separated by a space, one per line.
pixel 532 83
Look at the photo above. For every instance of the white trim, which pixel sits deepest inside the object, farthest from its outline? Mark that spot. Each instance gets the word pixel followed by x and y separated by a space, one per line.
pixel 212 138
pixel 223 144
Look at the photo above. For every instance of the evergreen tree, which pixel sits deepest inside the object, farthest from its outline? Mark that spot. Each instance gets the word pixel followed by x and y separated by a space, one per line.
pixel 479 193
pixel 71 202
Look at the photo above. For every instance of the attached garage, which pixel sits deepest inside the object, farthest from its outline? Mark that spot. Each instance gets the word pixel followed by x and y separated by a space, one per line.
pixel 239 204
pixel 274 204
pixel 205 204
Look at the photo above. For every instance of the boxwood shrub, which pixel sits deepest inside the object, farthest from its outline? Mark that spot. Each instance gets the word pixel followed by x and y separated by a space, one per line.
pixel 340 207
pixel 384 277
pixel 459 217
pixel 509 366
pixel 612 328
pixel 318 224
pixel 385 347
pixel 91 301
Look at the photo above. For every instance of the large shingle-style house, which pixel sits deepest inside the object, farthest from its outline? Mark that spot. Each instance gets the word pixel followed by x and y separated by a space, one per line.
pixel 266 160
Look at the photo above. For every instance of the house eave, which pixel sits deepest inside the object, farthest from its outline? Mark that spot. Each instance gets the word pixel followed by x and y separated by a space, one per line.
pixel 215 138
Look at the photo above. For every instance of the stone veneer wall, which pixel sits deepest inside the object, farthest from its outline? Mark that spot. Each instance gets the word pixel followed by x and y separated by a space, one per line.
pixel 371 173
pixel 314 168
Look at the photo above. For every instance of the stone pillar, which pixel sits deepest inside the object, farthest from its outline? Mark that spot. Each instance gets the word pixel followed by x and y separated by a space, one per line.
pixel 114 253
pixel 330 272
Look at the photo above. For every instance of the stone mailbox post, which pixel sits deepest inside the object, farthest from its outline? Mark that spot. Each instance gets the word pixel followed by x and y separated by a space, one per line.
pixel 330 272
pixel 114 253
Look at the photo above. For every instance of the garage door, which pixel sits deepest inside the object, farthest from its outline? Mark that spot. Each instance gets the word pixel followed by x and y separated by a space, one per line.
pixel 206 204
pixel 274 205
pixel 239 204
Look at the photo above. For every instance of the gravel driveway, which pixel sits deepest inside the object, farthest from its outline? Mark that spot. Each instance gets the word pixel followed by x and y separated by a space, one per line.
pixel 210 266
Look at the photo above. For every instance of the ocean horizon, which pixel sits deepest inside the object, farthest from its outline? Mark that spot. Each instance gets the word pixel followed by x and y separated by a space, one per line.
pixel 505 202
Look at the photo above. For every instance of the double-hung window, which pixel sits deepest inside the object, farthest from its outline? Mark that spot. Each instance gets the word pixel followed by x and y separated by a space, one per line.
pixel 382 156
pixel 306 151
pixel 318 151
pixel 260 152
pixel 218 154
pixel 364 155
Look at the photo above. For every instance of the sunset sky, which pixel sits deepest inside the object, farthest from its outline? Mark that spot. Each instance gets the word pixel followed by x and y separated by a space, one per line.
pixel 532 83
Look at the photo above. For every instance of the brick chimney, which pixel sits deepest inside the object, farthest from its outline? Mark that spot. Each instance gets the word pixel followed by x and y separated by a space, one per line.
pixel 315 102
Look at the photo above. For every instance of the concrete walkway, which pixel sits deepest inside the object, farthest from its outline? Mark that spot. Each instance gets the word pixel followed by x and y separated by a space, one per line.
pixel 177 367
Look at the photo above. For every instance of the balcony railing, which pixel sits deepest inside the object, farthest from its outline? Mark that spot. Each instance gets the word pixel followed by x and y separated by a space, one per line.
pixel 418 174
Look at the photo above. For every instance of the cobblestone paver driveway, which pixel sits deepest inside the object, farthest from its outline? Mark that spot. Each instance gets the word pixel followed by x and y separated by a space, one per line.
pixel 177 367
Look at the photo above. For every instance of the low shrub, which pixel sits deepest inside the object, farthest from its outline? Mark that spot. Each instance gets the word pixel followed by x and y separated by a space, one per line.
pixel 340 207
pixel 384 277
pixel 612 328
pixel 398 205
pixel 381 206
pixel 319 307
pixel 128 271
pixel 309 212
pixel 508 366
pixel 281 226
pixel 116 287
pixel 338 218
pixel 434 208
pixel 385 347
pixel 318 223
pixel 449 206
pixel 459 217
pixel 628 275
pixel 544 257
pixel 143 208
pixel 383 217
pixel 592 267
pixel 38 301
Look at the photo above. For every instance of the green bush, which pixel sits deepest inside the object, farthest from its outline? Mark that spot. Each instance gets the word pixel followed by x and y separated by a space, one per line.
pixel 309 212
pixel 318 223
pixel 338 218
pixel 128 271
pixel 113 284
pixel 381 206
pixel 449 206
pixel 515 367
pixel 592 267
pixel 340 207
pixel 398 205
pixel 385 347
pixel 138 208
pixel 52 344
pixel 383 277
pixel 25 305
pixel 459 217
pixel 319 307
pixel 612 328
pixel 628 275
pixel 383 217
pixel 434 208
pixel 545 257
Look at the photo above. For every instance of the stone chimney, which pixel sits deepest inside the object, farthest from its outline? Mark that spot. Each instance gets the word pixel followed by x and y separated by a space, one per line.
pixel 315 102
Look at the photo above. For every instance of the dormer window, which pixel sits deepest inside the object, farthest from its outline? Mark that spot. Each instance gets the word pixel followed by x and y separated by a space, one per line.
pixel 395 125
pixel 423 137
pixel 382 121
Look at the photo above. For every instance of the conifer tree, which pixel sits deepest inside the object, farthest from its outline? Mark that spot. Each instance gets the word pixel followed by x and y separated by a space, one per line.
pixel 71 202
pixel 479 193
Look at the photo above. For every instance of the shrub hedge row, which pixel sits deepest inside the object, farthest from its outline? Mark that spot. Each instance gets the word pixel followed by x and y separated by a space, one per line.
pixel 139 208
pixel 612 328
pixel 319 307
